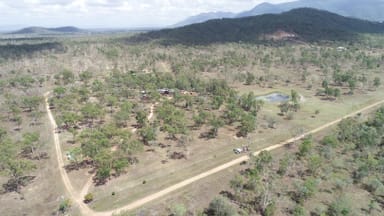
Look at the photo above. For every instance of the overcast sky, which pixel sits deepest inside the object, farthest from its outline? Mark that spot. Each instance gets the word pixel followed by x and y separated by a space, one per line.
pixel 112 13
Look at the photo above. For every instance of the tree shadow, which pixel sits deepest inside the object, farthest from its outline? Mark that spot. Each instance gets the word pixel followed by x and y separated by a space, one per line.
pixel 79 165
pixel 14 185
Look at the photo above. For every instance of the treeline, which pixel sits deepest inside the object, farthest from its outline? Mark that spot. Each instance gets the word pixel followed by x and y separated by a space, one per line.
pixel 11 51
pixel 342 166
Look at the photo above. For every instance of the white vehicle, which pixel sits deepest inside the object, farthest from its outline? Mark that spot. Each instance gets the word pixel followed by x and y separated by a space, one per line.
pixel 241 150
pixel 238 150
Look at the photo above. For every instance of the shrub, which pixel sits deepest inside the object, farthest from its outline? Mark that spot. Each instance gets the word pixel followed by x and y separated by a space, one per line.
pixel 290 115
pixel 178 210
pixel 88 198
pixel 220 206
pixel 306 189
pixel 299 210
pixel 305 147
pixel 65 205
pixel 270 210
pixel 341 206
pixel 374 185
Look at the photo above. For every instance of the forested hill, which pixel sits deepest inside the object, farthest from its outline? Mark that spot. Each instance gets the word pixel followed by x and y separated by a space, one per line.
pixel 42 30
pixel 305 23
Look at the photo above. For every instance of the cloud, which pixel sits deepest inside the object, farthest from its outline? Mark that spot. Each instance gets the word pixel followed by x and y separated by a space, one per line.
pixel 114 13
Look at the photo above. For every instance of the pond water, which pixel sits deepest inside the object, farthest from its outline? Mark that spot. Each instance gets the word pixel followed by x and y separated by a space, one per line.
pixel 274 97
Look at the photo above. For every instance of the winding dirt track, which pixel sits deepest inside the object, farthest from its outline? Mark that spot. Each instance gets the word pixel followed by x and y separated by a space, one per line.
pixel 74 196
pixel 85 210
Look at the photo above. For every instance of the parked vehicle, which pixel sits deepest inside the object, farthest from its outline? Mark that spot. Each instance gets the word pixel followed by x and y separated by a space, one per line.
pixel 241 150
pixel 238 150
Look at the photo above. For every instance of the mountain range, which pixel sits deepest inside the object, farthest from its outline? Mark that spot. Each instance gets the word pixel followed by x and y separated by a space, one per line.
pixel 42 30
pixel 362 9
pixel 303 24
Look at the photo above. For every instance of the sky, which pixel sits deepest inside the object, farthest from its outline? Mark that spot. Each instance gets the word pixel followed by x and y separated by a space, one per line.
pixel 112 13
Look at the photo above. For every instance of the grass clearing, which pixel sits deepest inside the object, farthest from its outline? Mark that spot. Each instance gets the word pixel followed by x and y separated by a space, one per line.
pixel 159 176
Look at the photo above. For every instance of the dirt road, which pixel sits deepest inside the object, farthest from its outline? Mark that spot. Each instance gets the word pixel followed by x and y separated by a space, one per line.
pixel 85 210
pixel 237 161
pixel 73 195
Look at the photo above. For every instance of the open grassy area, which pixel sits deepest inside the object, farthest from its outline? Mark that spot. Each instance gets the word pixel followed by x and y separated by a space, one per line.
pixel 209 154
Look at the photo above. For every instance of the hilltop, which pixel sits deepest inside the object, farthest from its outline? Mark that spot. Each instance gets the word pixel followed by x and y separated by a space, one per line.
pixel 42 30
pixel 367 10
pixel 204 17
pixel 304 24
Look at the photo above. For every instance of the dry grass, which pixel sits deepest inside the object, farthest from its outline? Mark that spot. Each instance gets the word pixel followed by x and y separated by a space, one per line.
pixel 205 154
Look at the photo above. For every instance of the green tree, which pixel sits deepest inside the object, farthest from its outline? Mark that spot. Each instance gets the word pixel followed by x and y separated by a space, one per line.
pixel 173 120
pixel 104 158
pixel 283 165
pixel 284 108
pixel 306 189
pixel 76 156
pixel 232 112
pixel 83 94
pixel 19 120
pixel 200 118
pixel 249 79
pixel 299 210
pixel 67 76
pixel 329 92
pixel 376 82
pixel 65 205
pixel 215 123
pixel 147 134
pixel 217 101
pixel 31 144
pixel 341 206
pixel 314 164
pixel 373 205
pixel 92 111
pixel 31 103
pixel 70 119
pixel 237 184
pixel 330 140
pixel 352 85
pixel 220 206
pixel 249 103
pixel 59 91
pixel 111 101
pixel 247 124
pixel 305 147
pixel 347 129
pixel 93 141
pixel 119 165
pixel 295 96
pixel 261 181
pixel 85 76
pixel 141 118
pixel 126 107
pixel 336 92
pixel 178 210
pixel 367 137
pixel 16 168
pixel 325 84
pixel 88 198
pixel 121 118
pixel 270 210
pixel 13 108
